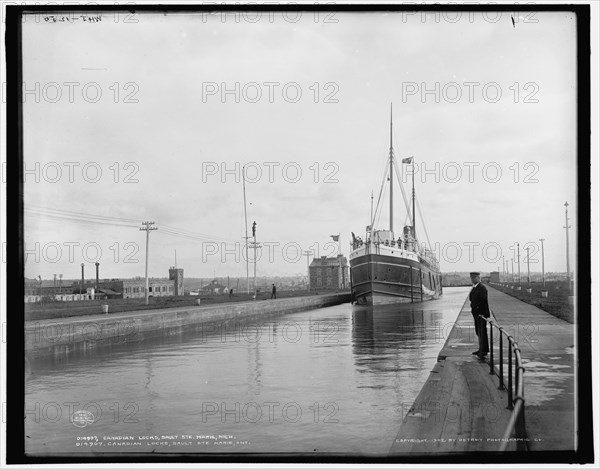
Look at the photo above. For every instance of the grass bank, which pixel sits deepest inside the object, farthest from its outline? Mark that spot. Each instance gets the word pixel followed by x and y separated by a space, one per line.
pixel 65 309
pixel 557 302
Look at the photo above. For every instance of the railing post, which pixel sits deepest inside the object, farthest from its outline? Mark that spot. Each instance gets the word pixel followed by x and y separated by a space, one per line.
pixel 510 378
pixel 520 430
pixel 501 365
pixel 516 393
pixel 491 348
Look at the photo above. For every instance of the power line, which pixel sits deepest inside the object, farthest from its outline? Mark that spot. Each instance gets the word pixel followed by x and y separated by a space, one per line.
pixel 115 221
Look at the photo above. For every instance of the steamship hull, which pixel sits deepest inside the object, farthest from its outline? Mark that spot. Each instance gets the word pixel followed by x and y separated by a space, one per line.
pixel 380 278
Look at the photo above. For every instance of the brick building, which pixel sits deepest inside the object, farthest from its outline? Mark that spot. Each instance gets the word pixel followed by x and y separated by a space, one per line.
pixel 329 273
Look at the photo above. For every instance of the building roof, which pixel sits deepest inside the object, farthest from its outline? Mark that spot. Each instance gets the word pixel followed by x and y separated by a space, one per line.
pixel 108 291
pixel 328 261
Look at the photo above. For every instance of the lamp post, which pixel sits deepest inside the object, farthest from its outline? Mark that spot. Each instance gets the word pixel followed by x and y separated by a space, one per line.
pixel 566 227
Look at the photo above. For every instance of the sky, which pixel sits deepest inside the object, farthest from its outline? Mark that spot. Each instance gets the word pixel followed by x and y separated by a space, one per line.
pixel 151 117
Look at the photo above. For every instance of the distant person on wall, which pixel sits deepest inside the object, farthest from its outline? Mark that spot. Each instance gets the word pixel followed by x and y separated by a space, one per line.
pixel 231 292
pixel 274 292
pixel 480 306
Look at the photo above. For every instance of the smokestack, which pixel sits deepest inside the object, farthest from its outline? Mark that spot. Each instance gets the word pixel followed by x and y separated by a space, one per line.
pixel 54 284
pixel 97 274
pixel 82 278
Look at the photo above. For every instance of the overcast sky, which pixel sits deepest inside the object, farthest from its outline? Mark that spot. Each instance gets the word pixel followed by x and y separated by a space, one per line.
pixel 501 108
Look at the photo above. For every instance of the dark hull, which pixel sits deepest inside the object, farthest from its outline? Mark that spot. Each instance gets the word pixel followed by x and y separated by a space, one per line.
pixel 380 279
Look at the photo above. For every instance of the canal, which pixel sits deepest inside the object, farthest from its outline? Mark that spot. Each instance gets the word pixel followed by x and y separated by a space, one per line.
pixel 332 380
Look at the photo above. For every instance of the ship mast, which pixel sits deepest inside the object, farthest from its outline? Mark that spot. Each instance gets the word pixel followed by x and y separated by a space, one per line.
pixel 413 199
pixel 391 177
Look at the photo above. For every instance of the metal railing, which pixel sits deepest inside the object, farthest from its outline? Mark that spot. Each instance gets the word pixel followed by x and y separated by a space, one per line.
pixel 515 388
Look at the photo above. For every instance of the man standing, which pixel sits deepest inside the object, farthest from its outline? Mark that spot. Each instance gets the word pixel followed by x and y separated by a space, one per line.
pixel 479 306
pixel 274 293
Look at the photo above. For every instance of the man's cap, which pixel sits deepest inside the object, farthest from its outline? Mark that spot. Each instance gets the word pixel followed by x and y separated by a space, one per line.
pixel 473 273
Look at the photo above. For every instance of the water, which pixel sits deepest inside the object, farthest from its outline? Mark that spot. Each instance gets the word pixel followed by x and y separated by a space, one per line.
pixel 334 380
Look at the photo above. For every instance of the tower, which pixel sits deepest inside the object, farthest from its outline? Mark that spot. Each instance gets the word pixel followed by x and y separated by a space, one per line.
pixel 176 275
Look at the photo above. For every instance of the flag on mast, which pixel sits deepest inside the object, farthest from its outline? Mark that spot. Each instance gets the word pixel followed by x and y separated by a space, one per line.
pixel 407 160
pixel 335 237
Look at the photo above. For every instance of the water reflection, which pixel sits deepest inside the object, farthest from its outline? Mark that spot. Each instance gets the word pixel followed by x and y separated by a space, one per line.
pixel 397 332
pixel 347 369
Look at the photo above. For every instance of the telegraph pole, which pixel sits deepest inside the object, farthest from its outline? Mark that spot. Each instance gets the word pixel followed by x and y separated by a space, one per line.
pixel 147 228
pixel 566 227
pixel 512 264
pixel 246 238
pixel 254 243
pixel 528 277
pixel 543 271
pixel 307 254
pixel 519 262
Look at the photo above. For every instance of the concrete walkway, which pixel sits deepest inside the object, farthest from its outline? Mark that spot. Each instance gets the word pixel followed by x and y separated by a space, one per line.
pixel 548 349
pixel 461 409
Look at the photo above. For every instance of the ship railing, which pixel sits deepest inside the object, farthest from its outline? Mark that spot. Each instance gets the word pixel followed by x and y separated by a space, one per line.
pixel 515 387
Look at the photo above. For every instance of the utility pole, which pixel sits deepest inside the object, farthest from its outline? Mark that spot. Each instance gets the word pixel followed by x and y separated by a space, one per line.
pixel 503 274
pixel 246 238
pixel 147 228
pixel 519 262
pixel 307 254
pixel 512 264
pixel 82 278
pixel 543 271
pixel 566 227
pixel 254 243
pixel 528 277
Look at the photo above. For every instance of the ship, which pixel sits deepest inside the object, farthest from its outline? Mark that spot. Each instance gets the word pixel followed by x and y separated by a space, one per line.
pixel 390 268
